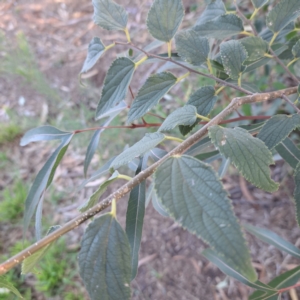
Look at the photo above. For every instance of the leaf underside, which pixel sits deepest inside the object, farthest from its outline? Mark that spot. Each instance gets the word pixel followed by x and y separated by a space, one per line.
pixel 186 115
pixel 155 87
pixel 149 141
pixel 95 50
pixel 164 19
pixel 116 83
pixel 221 27
pixel 109 15
pixel 192 194
pixel 213 10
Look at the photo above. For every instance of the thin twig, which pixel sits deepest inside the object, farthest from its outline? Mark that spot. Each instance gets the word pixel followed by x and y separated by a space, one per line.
pixel 247 21
pixel 286 98
pixel 126 188
pixel 278 60
pixel 187 68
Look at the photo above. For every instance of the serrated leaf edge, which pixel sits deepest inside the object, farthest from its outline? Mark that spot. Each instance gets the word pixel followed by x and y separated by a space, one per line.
pixel 227 195
pixel 246 177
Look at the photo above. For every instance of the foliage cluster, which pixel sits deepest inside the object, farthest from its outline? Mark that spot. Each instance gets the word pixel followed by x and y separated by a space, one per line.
pixel 224 46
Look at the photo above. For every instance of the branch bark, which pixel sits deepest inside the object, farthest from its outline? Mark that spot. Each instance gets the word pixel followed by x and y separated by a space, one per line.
pixel 180 149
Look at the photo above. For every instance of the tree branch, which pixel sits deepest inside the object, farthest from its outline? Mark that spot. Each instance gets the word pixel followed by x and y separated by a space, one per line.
pixel 126 188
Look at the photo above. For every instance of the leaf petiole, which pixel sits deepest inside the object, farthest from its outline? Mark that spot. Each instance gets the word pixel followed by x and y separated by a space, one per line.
pixel 141 61
pixel 121 176
pixel 114 208
pixel 127 34
pixel 203 118
pixel 172 138
pixel 183 76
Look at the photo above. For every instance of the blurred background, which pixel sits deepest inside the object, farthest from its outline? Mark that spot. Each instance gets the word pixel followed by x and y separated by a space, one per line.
pixel 42 48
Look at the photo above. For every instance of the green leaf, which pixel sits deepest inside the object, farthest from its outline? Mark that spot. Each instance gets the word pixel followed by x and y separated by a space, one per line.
pixel 288 54
pixel 289 152
pixel 186 115
pixel 30 262
pixel 116 84
pixel 233 55
pixel 158 206
pixel 213 10
pixel 164 19
pixel 284 280
pixel 104 260
pixel 93 144
pixel 259 3
pixel 92 147
pixel 100 172
pixel 297 192
pixel 204 99
pixel 135 218
pixel 109 15
pixel 192 194
pixel 43 180
pixel 157 153
pixel 267 34
pixel 263 61
pixel 149 95
pixel 98 193
pixel 95 50
pixel 207 155
pixel 296 50
pixel 199 146
pixel 277 128
pixel 249 154
pixel 149 141
pixel 272 238
pixel 43 133
pixel 66 141
pixel 221 27
pixel 255 46
pixel 282 14
pixel 229 270
pixel 4 283
pixel 192 47
pixel 185 129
